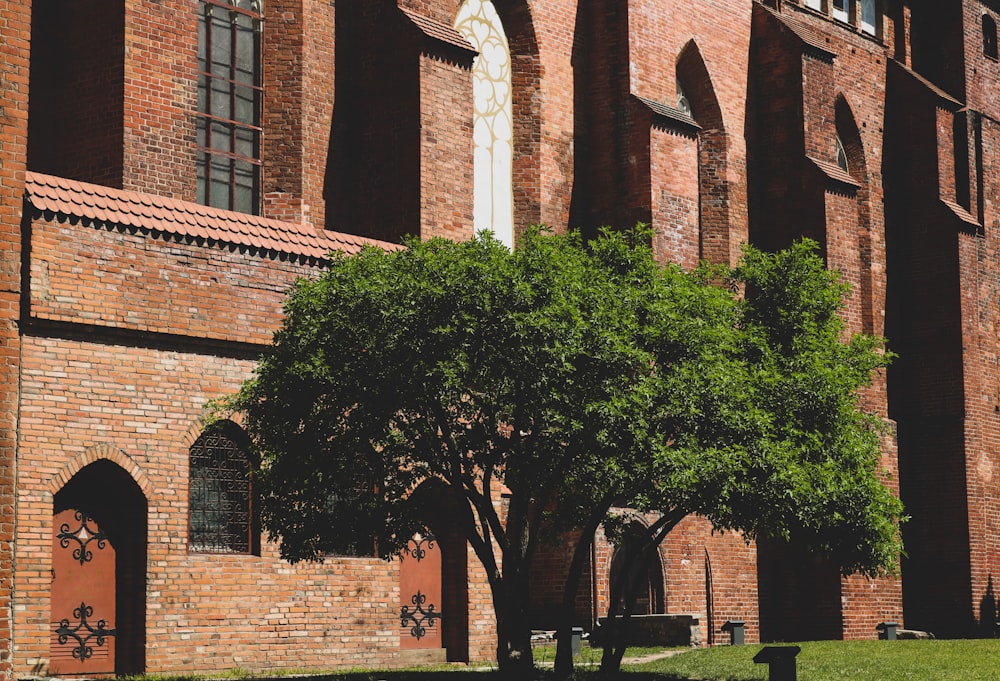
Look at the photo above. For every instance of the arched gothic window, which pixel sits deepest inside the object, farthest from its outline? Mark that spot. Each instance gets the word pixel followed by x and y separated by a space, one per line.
pixel 683 103
pixel 989 36
pixel 493 196
pixel 220 500
pixel 229 104
pixel 842 156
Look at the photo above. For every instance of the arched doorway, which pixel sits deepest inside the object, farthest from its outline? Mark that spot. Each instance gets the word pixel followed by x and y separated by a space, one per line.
pixel 434 583
pixel 98 585
pixel 643 579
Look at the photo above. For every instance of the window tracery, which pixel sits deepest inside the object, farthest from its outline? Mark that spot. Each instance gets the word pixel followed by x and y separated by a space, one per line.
pixel 493 137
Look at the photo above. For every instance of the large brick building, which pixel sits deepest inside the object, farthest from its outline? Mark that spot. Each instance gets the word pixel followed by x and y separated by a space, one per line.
pixel 169 167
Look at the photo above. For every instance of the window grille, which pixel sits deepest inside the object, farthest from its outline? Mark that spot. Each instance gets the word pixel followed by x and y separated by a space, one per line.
pixel 230 97
pixel 219 496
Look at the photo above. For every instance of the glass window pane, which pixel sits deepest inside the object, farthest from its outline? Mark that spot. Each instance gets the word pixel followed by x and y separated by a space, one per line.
pixel 246 51
pixel 815 4
pixel 200 165
pixel 222 48
pixel 220 181
pixel 221 98
pixel 202 93
pixel 221 136
pixel 868 16
pixel 202 48
pixel 246 142
pixel 243 195
pixel 245 105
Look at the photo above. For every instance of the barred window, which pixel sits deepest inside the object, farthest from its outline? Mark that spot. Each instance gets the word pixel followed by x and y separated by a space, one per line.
pixel 229 104
pixel 220 499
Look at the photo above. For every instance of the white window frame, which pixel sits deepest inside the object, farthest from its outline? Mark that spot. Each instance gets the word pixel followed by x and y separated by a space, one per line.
pixel 814 4
pixel 843 15
pixel 871 28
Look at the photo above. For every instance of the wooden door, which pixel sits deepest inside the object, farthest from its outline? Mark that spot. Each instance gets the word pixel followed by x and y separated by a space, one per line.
pixel 83 597
pixel 420 594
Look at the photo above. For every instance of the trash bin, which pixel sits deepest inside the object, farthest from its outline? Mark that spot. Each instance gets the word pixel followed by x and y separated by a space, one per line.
pixel 576 641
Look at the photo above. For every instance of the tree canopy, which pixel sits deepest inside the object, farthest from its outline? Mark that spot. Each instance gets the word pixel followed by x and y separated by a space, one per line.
pixel 580 377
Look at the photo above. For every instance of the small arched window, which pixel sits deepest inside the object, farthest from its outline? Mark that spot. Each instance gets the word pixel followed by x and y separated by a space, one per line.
pixel 989 36
pixel 220 501
pixel 683 104
pixel 842 156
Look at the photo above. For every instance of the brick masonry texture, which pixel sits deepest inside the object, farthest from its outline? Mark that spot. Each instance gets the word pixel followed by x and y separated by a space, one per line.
pixel 113 337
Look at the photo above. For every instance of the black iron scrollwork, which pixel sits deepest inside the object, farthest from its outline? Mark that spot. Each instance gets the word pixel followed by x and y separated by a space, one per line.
pixel 420 546
pixel 419 615
pixel 99 635
pixel 82 535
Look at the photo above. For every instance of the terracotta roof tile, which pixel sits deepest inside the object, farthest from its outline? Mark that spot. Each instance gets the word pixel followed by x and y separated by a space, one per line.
pixel 806 33
pixel 108 206
pixel 439 31
pixel 835 172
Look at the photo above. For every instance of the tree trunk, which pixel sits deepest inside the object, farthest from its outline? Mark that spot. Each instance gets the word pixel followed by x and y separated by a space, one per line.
pixel 514 655
pixel 564 627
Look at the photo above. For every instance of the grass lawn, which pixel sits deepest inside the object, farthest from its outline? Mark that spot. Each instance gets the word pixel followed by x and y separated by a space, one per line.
pixel 969 660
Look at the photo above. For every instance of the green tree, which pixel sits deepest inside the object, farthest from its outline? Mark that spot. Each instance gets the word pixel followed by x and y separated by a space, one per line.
pixel 768 436
pixel 581 377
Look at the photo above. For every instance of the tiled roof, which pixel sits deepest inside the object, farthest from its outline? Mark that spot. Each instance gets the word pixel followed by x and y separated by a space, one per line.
pixel 668 112
pixel 439 31
pixel 806 33
pixel 835 172
pixel 118 207
pixel 962 214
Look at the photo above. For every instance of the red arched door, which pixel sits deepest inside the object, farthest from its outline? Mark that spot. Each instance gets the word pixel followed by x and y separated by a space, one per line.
pixel 83 597
pixel 420 594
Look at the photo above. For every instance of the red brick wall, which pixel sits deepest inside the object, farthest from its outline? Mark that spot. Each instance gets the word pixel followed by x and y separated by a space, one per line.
pixel 299 89
pixel 445 148
pixel 102 397
pixel 14 46
pixel 161 63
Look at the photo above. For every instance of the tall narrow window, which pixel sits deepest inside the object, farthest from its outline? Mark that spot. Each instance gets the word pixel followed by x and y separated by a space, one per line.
pixel 842 156
pixel 220 509
pixel 989 36
pixel 842 10
pixel 493 196
pixel 869 17
pixel 229 104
